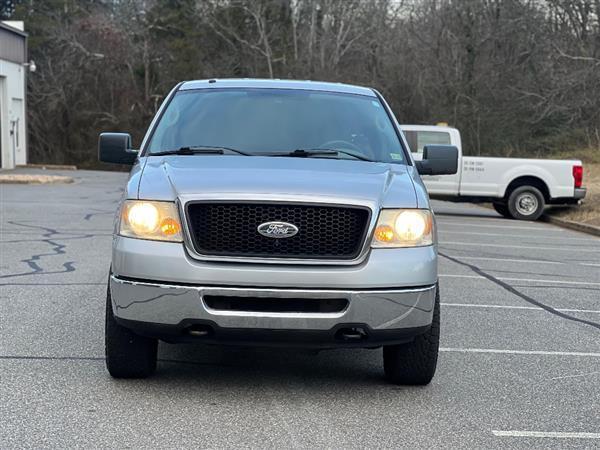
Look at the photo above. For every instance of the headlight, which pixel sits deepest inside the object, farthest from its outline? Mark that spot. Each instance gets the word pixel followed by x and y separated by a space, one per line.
pixel 403 228
pixel 150 220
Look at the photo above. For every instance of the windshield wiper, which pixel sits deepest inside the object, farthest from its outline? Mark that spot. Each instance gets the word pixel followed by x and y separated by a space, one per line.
pixel 309 152
pixel 298 153
pixel 200 150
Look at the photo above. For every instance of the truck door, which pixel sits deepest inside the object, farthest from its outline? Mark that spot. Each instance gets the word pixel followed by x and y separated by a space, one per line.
pixel 417 139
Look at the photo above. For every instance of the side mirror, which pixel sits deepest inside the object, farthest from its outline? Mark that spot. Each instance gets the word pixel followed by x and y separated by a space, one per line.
pixel 116 148
pixel 438 160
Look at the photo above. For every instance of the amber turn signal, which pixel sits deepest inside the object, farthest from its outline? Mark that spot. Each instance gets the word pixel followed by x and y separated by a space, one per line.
pixel 384 233
pixel 169 226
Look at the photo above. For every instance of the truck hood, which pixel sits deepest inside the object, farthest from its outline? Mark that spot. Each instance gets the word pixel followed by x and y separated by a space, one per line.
pixel 277 178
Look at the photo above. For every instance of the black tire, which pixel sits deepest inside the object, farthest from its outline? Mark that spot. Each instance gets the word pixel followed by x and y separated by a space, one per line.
pixel 414 363
pixel 128 355
pixel 526 203
pixel 502 209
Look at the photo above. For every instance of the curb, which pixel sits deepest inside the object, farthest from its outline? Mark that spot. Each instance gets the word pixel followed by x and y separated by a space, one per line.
pixel 590 229
pixel 47 166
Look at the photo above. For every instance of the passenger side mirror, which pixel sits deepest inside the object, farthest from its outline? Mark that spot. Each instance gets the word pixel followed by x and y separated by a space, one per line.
pixel 438 160
pixel 116 148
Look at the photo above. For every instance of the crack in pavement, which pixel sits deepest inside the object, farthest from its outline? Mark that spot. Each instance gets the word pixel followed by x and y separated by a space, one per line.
pixel 87 236
pixel 519 294
pixel 57 248
pixel 97 213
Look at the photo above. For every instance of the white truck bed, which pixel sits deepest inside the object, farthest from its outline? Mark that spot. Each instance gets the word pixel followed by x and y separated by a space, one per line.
pixel 495 179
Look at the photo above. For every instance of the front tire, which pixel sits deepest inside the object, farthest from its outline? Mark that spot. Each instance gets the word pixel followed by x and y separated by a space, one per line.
pixel 526 203
pixel 128 355
pixel 414 363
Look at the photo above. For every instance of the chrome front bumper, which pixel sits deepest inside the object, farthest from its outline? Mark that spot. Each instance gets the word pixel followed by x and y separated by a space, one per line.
pixel 174 304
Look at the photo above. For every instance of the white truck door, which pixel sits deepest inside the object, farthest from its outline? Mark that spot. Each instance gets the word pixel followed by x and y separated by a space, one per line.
pixel 418 136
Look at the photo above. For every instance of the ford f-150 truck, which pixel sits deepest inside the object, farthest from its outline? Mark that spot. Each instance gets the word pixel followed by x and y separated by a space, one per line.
pixel 518 188
pixel 268 212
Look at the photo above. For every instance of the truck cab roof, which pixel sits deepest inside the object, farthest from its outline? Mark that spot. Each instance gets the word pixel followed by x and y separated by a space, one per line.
pixel 428 127
pixel 221 83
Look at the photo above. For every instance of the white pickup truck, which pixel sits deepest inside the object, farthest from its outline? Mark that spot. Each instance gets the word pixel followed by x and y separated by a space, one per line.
pixel 518 188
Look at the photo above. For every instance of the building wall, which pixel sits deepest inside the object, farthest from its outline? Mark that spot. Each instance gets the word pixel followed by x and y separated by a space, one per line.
pixel 12 114
pixel 13 131
pixel 12 43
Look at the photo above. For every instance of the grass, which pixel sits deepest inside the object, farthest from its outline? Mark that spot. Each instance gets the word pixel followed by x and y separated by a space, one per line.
pixel 589 211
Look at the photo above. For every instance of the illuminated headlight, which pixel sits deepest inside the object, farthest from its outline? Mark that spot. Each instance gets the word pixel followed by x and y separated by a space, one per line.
pixel 403 228
pixel 150 220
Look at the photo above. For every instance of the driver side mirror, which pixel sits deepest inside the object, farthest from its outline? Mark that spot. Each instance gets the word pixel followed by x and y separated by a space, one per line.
pixel 438 160
pixel 116 148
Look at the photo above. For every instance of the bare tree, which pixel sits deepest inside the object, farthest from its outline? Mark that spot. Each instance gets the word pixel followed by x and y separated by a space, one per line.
pixel 514 75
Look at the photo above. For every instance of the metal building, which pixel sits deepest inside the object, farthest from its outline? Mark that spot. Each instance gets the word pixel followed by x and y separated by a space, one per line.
pixel 13 72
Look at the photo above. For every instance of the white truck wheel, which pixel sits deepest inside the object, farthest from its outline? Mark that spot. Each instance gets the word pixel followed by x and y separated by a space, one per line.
pixel 526 203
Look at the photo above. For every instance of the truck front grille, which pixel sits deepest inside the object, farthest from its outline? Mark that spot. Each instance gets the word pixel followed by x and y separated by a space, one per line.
pixel 231 229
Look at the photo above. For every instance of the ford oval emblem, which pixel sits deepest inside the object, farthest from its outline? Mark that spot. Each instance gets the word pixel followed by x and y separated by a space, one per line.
pixel 278 230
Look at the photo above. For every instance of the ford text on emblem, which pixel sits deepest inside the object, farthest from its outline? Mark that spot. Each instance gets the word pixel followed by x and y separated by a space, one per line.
pixel 278 230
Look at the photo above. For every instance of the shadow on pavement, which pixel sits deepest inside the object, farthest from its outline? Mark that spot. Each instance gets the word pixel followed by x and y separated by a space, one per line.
pixel 239 366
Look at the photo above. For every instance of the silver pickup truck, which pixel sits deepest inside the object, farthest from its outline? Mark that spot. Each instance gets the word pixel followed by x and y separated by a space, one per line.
pixel 267 212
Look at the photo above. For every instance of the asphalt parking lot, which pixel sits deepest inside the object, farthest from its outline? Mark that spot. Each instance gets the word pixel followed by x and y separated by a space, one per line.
pixel 520 361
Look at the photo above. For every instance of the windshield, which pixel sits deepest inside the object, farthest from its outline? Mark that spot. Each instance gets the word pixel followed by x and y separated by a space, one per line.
pixel 263 121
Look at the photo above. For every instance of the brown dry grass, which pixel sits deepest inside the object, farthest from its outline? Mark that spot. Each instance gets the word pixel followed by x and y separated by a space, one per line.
pixel 589 211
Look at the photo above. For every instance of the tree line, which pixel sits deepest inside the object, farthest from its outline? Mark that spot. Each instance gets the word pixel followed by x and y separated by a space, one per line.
pixel 518 77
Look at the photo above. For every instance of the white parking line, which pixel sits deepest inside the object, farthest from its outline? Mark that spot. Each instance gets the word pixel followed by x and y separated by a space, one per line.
pixel 579 375
pixel 546 434
pixel 531 236
pixel 531 308
pixel 564 249
pixel 528 280
pixel 528 261
pixel 516 352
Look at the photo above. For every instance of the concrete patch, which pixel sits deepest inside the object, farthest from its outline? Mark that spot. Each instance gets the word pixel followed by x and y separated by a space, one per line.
pixel 33 179
pixel 47 166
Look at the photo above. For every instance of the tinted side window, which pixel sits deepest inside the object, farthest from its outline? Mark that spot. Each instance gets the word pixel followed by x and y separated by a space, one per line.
pixel 430 138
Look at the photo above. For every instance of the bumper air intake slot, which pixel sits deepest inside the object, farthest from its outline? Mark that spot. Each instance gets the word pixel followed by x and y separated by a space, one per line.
pixel 275 305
